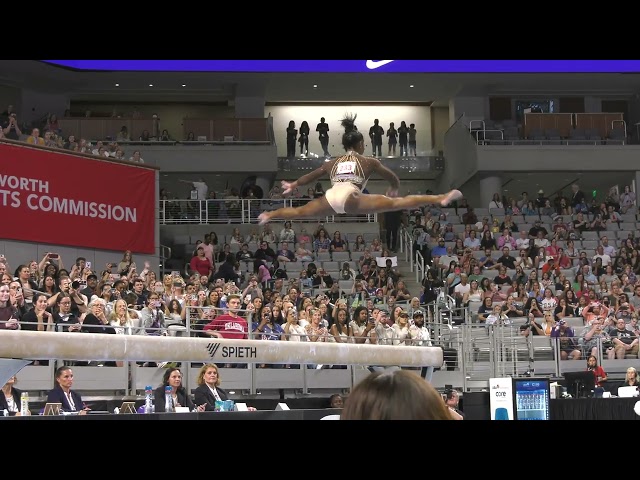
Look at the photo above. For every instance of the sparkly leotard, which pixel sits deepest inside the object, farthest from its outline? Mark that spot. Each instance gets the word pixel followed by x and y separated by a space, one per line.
pixel 348 169
pixel 347 177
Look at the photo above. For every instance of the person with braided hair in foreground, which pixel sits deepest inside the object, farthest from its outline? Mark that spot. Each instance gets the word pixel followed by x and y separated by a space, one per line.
pixel 349 175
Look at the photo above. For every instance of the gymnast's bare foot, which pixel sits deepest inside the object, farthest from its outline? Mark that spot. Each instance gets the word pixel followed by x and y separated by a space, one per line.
pixel 263 218
pixel 452 196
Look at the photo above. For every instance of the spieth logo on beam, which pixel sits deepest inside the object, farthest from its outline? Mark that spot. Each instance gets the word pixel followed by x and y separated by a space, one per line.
pixel 231 352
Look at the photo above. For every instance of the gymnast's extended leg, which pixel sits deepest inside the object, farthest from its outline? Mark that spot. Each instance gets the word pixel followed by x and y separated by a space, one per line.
pixel 371 203
pixel 318 207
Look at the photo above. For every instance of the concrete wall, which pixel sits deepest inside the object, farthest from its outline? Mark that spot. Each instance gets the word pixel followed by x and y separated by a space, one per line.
pixel 579 158
pixel 208 158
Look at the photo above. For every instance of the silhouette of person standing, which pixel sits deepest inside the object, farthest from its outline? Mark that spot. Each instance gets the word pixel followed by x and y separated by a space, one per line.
pixel 392 133
pixel 392 222
pixel 292 134
pixel 375 134
pixel 304 138
pixel 323 135
pixel 403 132
pixel 412 139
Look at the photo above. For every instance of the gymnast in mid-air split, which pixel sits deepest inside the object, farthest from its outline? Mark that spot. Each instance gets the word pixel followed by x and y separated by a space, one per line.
pixel 349 175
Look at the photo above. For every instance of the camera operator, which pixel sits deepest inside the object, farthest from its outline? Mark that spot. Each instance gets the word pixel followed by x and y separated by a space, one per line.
pixel 78 301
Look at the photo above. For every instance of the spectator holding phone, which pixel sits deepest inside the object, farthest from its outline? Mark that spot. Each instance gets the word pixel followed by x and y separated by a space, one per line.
pixel 47 260
pixel 152 317
pixel 453 276
pixel 28 285
pixel 253 288
pixel 127 264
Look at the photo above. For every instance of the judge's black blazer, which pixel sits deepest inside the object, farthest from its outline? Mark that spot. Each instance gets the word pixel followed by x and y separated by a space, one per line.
pixel 203 394
pixel 183 399
pixel 57 396
pixel 15 393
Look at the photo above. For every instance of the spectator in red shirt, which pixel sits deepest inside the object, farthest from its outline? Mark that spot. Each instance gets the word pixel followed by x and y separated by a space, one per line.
pixel 201 264
pixel 598 371
pixel 229 324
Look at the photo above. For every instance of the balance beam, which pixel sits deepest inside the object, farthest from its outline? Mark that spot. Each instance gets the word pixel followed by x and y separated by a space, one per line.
pixel 143 348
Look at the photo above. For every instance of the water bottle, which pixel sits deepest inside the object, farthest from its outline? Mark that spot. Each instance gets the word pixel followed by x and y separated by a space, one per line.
pixel 24 404
pixel 148 399
pixel 223 302
pixel 168 400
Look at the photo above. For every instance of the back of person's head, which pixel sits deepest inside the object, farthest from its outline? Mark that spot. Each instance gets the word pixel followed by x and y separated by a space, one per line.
pixel 351 136
pixel 394 395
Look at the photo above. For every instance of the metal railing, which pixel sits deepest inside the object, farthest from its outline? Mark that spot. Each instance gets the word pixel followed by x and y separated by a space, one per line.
pixel 178 211
pixel 624 127
pixel 416 261
pixel 484 138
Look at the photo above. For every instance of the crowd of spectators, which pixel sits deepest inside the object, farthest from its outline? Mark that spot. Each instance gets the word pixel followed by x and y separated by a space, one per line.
pixel 285 287
pixel 572 271
pixel 47 132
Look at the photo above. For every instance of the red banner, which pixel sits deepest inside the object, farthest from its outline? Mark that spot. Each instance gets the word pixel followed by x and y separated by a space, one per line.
pixel 56 198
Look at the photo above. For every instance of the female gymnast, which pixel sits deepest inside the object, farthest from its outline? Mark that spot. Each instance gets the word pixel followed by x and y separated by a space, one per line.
pixel 349 175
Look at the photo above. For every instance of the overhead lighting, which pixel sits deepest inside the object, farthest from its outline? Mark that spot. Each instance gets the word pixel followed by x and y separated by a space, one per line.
pixel 151 84
pixel 315 86
pixel 410 86
pixel 117 84
pixel 183 85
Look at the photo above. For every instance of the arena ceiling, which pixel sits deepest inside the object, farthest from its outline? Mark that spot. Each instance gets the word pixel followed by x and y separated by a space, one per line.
pixel 352 88
pixel 305 87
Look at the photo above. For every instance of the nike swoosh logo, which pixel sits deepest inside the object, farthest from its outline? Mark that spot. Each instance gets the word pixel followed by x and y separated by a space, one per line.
pixel 373 64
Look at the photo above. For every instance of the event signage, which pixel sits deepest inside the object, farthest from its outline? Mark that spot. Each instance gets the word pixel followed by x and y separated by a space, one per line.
pixel 56 198
pixel 358 66
pixel 501 398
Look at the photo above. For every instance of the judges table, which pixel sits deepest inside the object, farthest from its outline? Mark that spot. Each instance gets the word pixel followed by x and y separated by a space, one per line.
pixel 257 415
pixel 476 406
pixel 593 409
